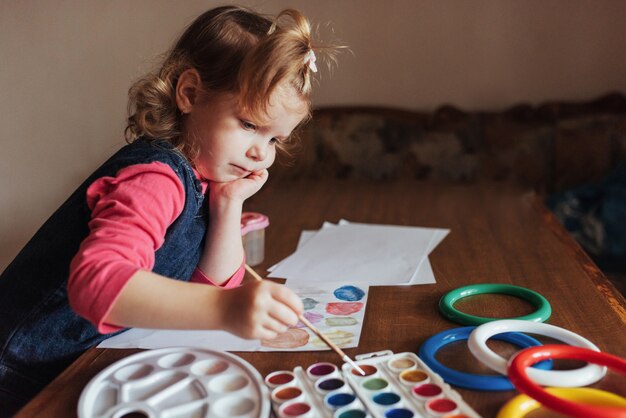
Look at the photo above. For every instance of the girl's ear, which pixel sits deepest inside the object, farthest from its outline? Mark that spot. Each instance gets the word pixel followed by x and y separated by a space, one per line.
pixel 188 90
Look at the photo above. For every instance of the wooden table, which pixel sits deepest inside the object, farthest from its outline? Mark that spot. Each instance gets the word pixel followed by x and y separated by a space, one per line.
pixel 499 234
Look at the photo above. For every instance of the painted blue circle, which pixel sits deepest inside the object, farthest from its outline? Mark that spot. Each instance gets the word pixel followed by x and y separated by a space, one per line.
pixel 349 293
pixel 429 349
pixel 386 398
pixel 399 413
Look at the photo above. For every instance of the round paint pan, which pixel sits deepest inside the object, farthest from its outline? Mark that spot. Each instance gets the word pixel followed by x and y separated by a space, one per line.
pixel 351 413
pixel 341 401
pixel 427 391
pixel 387 400
pixel 332 384
pixel 178 381
pixel 287 393
pixel 296 409
pixel 399 413
pixel 369 369
pixel 319 370
pixel 281 377
pixel 442 407
pixel 401 364
pixel 414 377
pixel 375 384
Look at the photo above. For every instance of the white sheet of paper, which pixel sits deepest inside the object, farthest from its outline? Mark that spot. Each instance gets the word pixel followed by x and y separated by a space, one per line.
pixel 159 338
pixel 304 237
pixel 360 253
pixel 423 274
pixel 340 318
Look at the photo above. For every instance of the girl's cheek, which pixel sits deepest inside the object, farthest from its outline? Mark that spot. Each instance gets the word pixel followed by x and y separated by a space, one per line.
pixel 272 158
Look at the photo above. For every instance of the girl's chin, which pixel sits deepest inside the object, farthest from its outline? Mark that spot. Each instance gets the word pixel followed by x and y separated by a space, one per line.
pixel 217 177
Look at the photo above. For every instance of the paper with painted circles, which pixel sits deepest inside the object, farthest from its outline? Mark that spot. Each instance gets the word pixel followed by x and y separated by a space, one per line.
pixel 336 309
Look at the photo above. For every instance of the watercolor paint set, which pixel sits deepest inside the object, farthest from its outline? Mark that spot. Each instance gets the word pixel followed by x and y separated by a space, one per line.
pixel 394 386
pixel 318 391
pixel 177 382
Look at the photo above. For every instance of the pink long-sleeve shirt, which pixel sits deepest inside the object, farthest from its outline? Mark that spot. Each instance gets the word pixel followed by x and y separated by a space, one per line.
pixel 130 214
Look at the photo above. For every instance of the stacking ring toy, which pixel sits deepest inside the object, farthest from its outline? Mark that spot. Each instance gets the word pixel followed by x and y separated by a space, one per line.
pixel 447 309
pixel 522 404
pixel 429 349
pixel 584 376
pixel 517 373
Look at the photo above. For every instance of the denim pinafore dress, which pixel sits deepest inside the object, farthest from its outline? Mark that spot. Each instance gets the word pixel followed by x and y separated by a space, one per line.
pixel 40 335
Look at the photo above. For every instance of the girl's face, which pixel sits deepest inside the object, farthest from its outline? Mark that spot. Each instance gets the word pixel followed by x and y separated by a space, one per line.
pixel 231 145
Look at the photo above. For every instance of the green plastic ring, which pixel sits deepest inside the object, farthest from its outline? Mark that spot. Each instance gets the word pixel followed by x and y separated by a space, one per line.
pixel 446 304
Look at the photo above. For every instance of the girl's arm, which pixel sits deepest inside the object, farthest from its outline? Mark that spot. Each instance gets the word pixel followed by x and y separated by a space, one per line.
pixel 256 310
pixel 223 249
pixel 110 283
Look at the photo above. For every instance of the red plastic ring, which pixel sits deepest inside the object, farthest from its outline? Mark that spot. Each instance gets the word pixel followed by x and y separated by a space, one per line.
pixel 516 370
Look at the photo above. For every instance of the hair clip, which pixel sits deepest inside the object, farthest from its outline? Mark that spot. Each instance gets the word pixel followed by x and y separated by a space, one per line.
pixel 309 59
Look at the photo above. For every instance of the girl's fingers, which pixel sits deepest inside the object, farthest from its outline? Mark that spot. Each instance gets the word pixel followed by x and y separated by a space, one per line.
pixel 262 173
pixel 274 325
pixel 266 334
pixel 273 309
pixel 258 175
pixel 287 297
pixel 283 314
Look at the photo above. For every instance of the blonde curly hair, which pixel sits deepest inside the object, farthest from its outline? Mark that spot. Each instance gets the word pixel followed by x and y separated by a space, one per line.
pixel 234 50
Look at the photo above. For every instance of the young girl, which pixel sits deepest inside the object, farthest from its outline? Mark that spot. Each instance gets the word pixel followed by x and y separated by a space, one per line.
pixel 202 133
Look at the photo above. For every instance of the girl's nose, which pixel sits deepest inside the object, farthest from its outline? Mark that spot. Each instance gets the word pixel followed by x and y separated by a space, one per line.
pixel 257 152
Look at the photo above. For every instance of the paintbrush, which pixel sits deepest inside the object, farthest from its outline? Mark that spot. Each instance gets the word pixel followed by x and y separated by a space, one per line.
pixel 316 331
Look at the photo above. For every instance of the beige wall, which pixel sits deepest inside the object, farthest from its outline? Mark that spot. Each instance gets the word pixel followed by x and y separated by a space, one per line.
pixel 65 67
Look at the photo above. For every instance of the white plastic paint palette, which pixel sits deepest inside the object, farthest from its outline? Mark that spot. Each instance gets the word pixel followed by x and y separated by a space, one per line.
pixel 403 386
pixel 176 382
pixel 320 391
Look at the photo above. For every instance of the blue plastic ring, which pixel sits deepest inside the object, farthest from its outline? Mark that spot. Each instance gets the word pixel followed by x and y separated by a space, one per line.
pixel 429 349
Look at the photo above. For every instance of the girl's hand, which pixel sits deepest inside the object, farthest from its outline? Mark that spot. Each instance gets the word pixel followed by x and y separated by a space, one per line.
pixel 223 249
pixel 240 189
pixel 260 310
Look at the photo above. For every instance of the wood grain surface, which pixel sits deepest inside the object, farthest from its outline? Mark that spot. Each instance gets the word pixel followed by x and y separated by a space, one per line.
pixel 499 234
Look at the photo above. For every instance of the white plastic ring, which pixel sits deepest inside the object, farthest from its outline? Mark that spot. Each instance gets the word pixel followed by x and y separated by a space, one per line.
pixel 586 375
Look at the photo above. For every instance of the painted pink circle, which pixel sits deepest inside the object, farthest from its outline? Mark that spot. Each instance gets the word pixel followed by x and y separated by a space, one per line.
pixel 343 308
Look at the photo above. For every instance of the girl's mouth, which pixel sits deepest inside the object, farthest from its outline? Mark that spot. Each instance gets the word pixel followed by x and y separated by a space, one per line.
pixel 242 170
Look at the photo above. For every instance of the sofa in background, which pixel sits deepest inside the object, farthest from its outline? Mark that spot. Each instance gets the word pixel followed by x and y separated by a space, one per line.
pixel 550 147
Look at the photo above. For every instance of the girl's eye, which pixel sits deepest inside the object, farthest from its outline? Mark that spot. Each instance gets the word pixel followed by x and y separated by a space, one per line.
pixel 248 126
pixel 274 141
